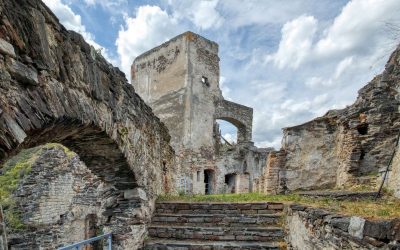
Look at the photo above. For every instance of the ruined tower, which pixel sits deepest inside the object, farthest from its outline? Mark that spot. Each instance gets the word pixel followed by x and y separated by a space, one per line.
pixel 180 81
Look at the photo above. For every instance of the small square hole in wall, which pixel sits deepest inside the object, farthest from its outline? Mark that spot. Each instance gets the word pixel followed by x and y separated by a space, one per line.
pixel 204 80
pixel 198 176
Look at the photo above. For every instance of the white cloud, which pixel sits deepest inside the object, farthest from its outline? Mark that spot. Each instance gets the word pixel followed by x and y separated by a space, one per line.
pixel 150 27
pixel 114 6
pixel 72 21
pixel 358 26
pixel 230 137
pixel 268 91
pixel 275 143
pixel 224 88
pixel 203 14
pixel 338 59
pixel 357 30
pixel 295 45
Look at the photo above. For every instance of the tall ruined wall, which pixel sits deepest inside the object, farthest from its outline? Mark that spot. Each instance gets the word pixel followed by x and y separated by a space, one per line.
pixel 310 152
pixel 159 77
pixel 179 80
pixel 203 62
pixel 348 146
pixel 62 202
pixel 54 87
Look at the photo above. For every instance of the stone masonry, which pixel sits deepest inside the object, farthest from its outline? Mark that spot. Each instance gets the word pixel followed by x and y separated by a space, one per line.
pixel 313 228
pixel 54 87
pixel 63 202
pixel 347 147
pixel 180 81
pixel 185 225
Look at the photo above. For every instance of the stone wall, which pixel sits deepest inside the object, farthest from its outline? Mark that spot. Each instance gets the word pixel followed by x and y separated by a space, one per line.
pixel 312 228
pixel 62 202
pixel 346 147
pixel 393 177
pixel 3 233
pixel 272 179
pixel 180 81
pixel 311 156
pixel 240 116
pixel 54 87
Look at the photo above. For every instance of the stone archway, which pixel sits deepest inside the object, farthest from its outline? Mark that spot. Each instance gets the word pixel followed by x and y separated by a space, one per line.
pixel 54 87
pixel 238 115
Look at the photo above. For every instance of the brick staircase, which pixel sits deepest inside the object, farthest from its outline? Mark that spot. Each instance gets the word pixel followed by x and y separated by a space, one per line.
pixel 178 225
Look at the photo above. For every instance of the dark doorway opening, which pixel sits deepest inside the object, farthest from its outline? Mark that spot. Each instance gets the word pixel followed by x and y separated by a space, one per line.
pixel 91 231
pixel 230 181
pixel 208 179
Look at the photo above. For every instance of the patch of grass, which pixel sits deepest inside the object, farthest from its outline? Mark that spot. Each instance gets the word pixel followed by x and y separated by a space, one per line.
pixel 13 171
pixel 67 151
pixel 386 207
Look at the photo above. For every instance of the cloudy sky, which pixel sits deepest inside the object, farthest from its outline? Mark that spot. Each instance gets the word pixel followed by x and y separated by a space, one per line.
pixel 291 60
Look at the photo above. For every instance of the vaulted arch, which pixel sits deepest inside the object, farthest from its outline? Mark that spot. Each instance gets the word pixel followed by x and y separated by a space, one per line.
pixel 54 87
pixel 238 115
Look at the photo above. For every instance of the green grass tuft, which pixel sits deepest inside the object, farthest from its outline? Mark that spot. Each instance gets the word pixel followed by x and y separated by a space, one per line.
pixel 387 207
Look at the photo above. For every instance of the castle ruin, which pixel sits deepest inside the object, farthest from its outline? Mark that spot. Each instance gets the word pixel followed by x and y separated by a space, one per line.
pixel 133 143
pixel 179 80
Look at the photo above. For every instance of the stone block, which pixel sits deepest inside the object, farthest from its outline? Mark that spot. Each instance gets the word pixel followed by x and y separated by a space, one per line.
pixel 377 229
pixel 394 232
pixel 356 227
pixel 135 193
pixel 341 223
pixel 22 73
pixel 276 206
pixel 298 207
pixel 6 48
pixel 373 241
pixel 262 206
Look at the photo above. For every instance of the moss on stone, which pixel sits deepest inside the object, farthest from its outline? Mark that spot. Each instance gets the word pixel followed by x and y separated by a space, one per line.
pixel 13 171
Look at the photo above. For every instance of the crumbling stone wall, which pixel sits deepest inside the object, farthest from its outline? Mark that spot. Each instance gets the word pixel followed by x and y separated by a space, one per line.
pixel 272 178
pixel 310 152
pixel 349 146
pixel 54 87
pixel 313 228
pixel 180 81
pixel 56 199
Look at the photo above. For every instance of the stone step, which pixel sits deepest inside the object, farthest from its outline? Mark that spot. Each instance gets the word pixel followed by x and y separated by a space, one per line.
pixel 218 219
pixel 217 233
pixel 218 208
pixel 164 244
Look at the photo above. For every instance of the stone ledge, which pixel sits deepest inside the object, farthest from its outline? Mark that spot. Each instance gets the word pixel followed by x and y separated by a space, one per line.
pixel 326 228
